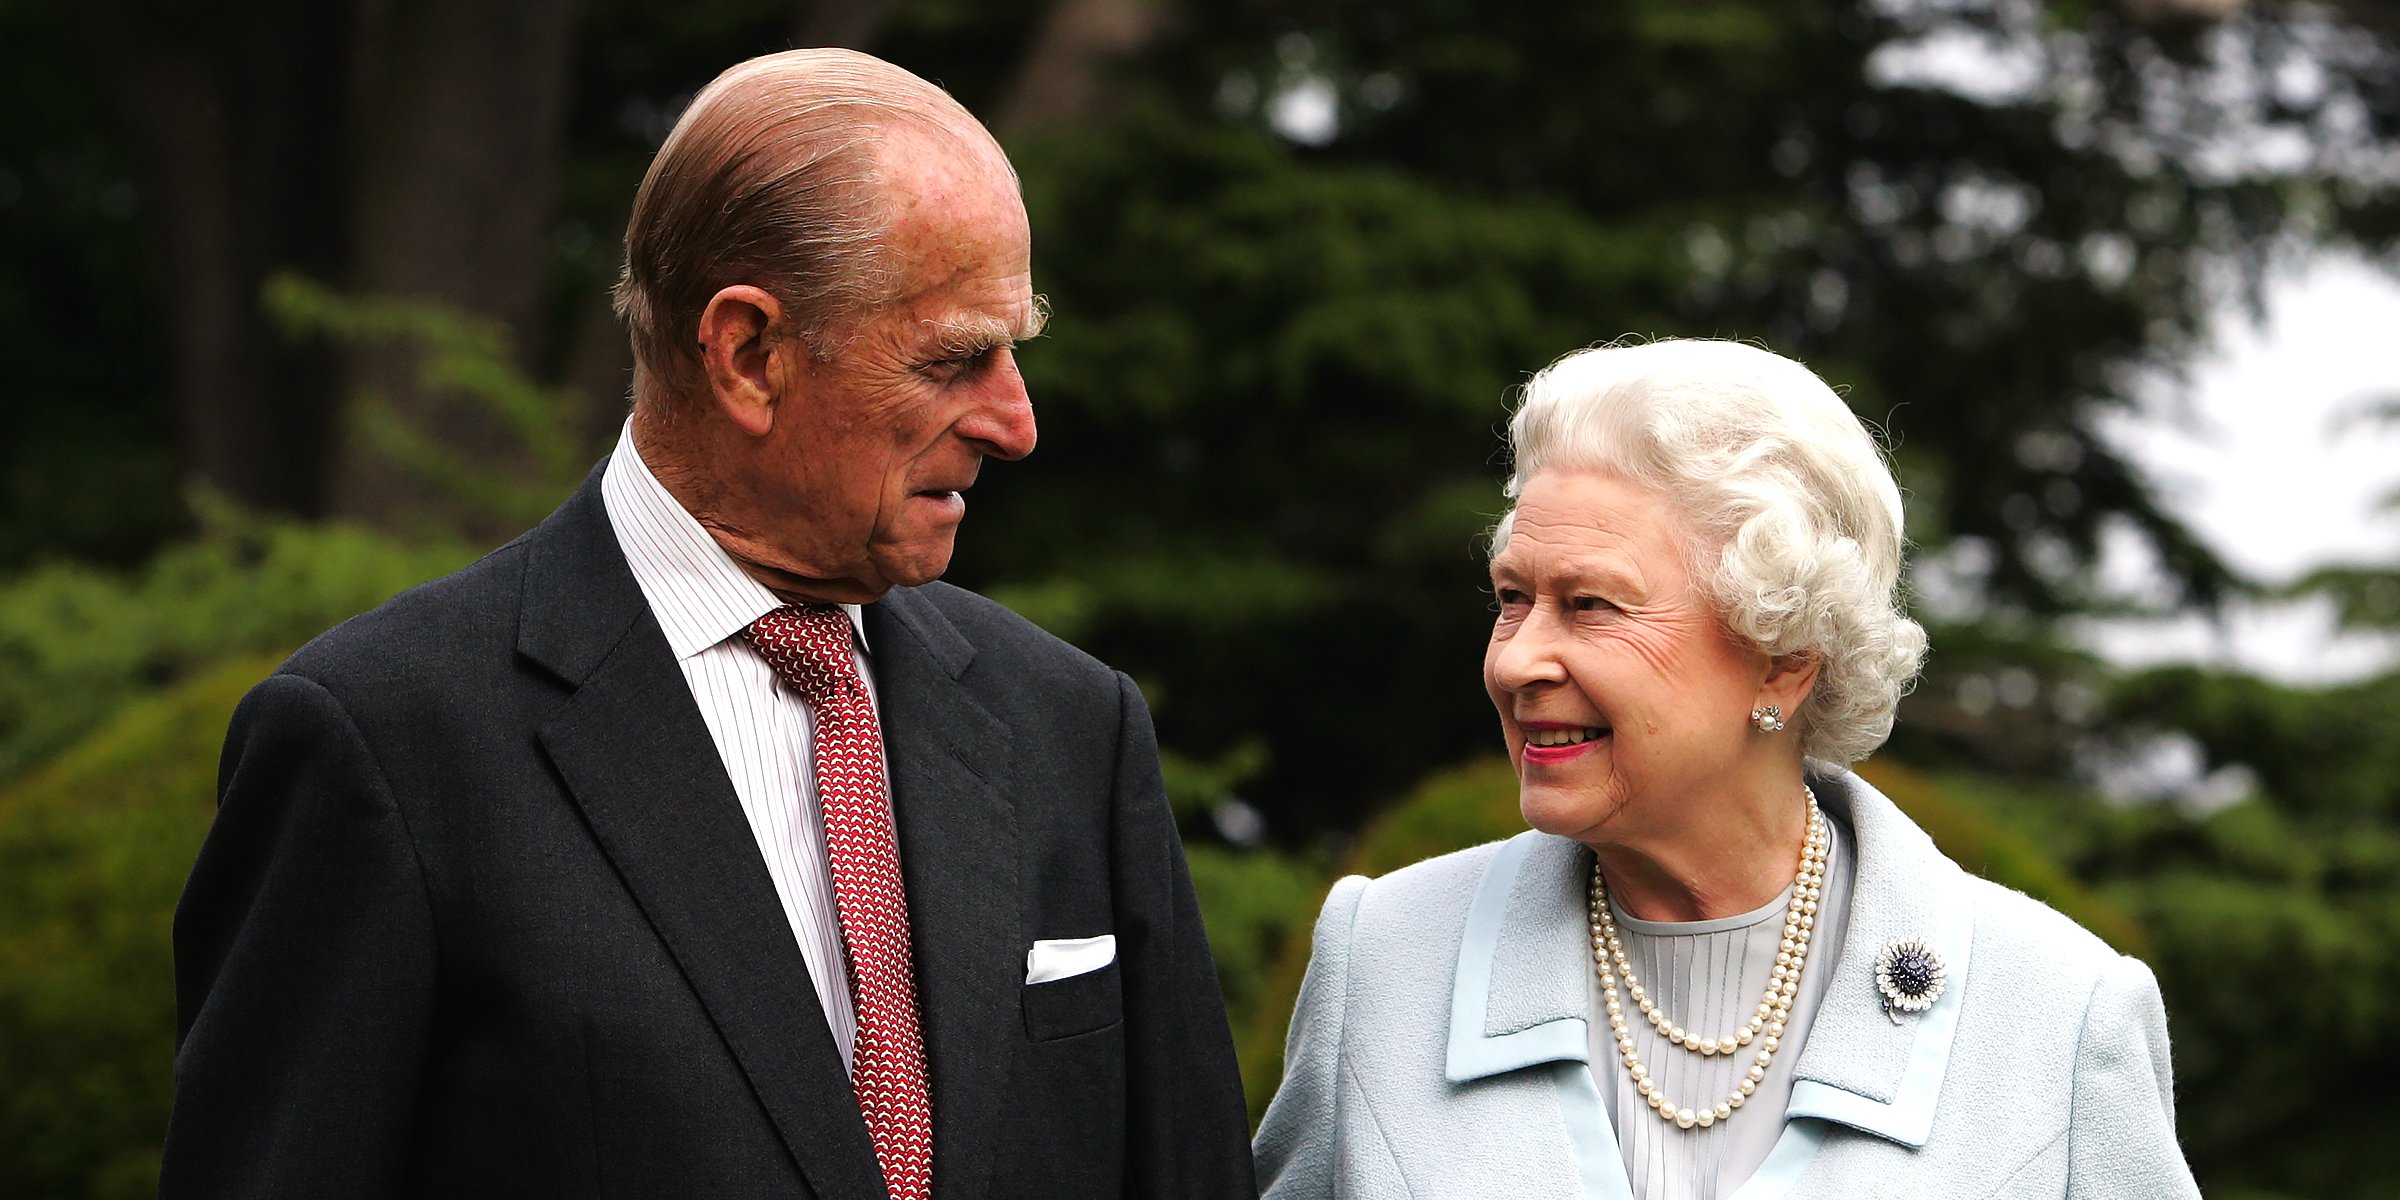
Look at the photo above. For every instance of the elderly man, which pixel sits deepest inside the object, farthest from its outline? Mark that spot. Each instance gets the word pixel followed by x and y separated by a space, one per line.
pixel 697 843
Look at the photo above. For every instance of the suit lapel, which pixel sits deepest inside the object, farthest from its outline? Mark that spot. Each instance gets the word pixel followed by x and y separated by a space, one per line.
pixel 950 764
pixel 640 763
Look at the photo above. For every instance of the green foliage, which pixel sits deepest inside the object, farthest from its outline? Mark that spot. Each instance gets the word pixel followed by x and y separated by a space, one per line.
pixel 2330 757
pixel 1955 812
pixel 78 643
pixel 1277 434
pixel 2278 922
pixel 464 360
pixel 2276 947
pixel 1453 810
pixel 94 848
pixel 2365 596
pixel 1269 409
pixel 1258 904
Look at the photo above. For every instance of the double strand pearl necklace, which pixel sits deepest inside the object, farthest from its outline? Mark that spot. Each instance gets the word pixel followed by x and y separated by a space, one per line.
pixel 1765 1026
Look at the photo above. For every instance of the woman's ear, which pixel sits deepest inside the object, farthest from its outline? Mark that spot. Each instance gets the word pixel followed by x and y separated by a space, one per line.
pixel 737 354
pixel 1789 681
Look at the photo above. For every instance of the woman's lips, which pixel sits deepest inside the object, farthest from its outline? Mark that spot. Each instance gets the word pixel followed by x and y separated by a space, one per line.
pixel 1548 755
pixel 1534 731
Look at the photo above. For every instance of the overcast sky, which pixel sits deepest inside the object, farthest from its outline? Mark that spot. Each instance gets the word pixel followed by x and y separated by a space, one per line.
pixel 2274 467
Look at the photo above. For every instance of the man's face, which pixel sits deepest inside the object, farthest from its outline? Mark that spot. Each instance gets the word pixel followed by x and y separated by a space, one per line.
pixel 886 435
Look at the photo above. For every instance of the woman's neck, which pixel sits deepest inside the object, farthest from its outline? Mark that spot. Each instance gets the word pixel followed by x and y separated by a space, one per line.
pixel 1739 857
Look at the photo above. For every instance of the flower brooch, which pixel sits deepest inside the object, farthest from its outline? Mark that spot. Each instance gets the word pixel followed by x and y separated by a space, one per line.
pixel 1909 974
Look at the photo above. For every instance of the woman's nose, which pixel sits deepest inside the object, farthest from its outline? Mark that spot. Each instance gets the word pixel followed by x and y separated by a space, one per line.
pixel 1528 658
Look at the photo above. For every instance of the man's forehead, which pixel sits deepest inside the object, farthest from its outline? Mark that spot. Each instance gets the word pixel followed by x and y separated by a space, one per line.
pixel 928 174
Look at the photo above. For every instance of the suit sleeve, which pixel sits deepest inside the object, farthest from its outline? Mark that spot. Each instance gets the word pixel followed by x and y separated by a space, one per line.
pixel 1188 1132
pixel 304 965
pixel 1296 1142
pixel 2122 1139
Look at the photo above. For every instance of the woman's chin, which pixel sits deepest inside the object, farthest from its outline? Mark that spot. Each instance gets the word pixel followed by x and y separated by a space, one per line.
pixel 1565 812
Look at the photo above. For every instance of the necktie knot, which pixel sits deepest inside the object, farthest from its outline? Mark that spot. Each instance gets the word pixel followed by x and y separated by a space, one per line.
pixel 808 645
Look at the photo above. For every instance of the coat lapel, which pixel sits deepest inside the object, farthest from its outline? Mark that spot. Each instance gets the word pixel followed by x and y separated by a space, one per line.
pixel 1520 1000
pixel 1518 997
pixel 640 763
pixel 1858 1067
pixel 950 761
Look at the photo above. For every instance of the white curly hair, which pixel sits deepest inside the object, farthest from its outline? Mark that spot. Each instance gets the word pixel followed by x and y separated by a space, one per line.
pixel 1778 481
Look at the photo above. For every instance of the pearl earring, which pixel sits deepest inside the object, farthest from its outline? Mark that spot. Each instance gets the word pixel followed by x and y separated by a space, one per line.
pixel 1768 719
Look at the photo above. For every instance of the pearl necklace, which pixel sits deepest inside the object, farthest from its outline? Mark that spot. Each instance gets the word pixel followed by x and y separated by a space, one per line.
pixel 1766 1026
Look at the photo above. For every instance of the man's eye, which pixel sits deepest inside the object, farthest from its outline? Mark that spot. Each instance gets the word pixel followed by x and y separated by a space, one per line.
pixel 956 365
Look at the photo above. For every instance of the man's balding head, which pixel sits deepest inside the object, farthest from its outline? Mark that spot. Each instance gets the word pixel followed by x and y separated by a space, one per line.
pixel 775 177
pixel 828 270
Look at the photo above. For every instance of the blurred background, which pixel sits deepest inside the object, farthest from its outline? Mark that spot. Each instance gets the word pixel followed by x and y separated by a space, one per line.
pixel 304 301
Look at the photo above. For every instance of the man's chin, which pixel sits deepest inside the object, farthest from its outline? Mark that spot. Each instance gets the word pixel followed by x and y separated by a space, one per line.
pixel 915 566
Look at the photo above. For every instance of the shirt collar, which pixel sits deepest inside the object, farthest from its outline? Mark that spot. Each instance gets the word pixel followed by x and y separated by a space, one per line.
pixel 698 593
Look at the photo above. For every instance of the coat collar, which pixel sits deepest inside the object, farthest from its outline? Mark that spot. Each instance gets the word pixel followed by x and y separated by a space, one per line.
pixel 1519 997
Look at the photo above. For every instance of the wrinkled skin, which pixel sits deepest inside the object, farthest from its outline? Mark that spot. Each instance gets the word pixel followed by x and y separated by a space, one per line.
pixel 1602 626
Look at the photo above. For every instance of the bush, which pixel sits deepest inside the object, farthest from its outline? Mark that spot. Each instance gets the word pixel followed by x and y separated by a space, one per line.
pixel 76 643
pixel 94 849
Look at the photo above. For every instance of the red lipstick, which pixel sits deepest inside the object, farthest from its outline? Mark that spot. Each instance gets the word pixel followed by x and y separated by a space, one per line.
pixel 1544 756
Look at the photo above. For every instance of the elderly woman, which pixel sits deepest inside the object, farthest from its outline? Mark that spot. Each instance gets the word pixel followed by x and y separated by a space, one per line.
pixel 1719 964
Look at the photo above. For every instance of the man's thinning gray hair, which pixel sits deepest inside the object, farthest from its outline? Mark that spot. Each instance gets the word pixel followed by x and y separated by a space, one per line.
pixel 769 178
pixel 1791 515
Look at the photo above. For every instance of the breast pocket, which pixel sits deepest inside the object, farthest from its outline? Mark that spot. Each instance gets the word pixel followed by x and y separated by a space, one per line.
pixel 1063 1008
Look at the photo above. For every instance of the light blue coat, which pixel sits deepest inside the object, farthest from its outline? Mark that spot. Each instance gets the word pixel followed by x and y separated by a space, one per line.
pixel 1439 1046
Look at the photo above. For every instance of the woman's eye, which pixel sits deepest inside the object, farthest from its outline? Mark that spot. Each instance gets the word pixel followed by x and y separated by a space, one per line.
pixel 1592 604
pixel 1509 599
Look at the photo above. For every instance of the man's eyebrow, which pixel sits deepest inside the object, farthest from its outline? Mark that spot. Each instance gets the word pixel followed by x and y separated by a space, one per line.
pixel 968 334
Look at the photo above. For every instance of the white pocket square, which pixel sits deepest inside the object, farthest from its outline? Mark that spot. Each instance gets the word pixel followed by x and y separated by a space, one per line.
pixel 1065 958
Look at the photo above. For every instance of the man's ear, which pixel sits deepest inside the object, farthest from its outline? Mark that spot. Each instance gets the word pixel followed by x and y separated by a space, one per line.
pixel 738 349
pixel 1789 681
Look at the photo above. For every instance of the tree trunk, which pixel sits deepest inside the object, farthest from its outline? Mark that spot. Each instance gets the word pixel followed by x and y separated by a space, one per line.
pixel 1064 77
pixel 236 119
pixel 461 126
pixel 849 24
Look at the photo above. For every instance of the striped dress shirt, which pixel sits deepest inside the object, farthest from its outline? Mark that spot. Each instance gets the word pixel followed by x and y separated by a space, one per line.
pixel 763 730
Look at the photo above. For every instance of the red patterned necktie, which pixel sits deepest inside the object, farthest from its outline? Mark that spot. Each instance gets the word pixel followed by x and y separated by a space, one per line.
pixel 809 647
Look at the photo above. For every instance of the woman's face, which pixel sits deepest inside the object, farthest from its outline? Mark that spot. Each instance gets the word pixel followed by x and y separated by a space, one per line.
pixel 1625 702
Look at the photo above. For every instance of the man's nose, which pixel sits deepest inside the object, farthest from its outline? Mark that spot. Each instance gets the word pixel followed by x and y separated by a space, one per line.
pixel 1001 423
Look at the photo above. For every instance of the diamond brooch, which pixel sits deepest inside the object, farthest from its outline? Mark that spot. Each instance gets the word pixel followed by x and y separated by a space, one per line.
pixel 1909 974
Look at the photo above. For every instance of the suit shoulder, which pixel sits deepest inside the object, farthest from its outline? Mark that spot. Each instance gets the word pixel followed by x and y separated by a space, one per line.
pixel 465 611
pixel 993 626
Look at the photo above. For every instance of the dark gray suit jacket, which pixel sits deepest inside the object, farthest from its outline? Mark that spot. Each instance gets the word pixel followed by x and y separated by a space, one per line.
pixel 481 916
